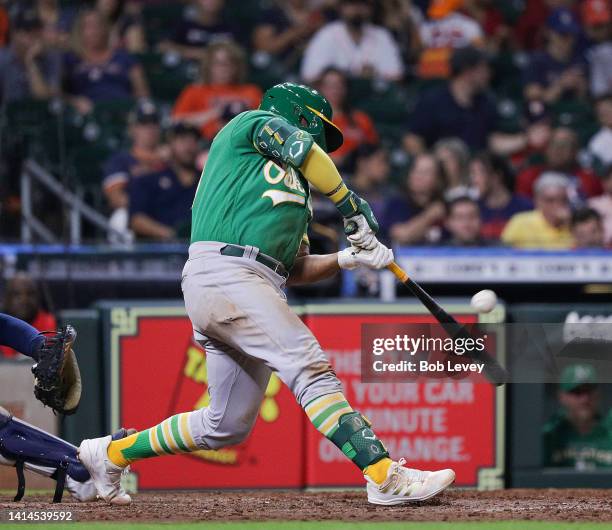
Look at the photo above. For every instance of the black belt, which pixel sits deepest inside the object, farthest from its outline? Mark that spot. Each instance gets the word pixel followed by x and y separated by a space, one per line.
pixel 239 251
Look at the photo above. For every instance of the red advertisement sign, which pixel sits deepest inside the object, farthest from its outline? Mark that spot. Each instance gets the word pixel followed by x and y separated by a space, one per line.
pixel 163 372
pixel 157 371
pixel 433 424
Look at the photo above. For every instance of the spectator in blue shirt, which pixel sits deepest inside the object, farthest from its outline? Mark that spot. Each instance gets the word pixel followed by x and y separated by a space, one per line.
pixel 95 71
pixel 204 23
pixel 27 70
pixel 160 202
pixel 559 71
pixel 493 179
pixel 415 217
pixel 143 157
pixel 462 108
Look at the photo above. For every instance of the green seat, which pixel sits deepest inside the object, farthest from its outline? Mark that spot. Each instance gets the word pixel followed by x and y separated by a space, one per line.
pixel 159 19
pixel 391 104
pixel 166 82
pixel 86 161
pixel 113 113
pixel 576 114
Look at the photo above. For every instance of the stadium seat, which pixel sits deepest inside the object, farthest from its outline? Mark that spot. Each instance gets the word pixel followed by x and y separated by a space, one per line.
pixel 166 82
pixel 578 115
pixel 159 20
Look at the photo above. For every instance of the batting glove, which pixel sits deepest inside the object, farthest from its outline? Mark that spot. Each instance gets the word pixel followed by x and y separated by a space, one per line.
pixel 376 258
pixel 359 216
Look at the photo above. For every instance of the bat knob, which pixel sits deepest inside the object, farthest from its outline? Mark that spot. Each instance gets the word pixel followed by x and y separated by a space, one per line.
pixel 350 228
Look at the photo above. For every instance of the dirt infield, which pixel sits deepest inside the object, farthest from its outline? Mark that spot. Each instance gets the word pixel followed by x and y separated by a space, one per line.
pixel 455 505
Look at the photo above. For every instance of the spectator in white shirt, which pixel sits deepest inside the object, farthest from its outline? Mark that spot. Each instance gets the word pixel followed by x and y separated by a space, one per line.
pixel 445 30
pixel 353 44
pixel 600 145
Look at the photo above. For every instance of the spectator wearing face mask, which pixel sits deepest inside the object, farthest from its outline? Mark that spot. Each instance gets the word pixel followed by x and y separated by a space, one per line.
pixel 548 225
pixel 354 45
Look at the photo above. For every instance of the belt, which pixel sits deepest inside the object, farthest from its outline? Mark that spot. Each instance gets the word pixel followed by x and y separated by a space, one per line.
pixel 239 251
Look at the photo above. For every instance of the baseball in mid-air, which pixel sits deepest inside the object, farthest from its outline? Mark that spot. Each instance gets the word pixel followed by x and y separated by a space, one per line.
pixel 484 301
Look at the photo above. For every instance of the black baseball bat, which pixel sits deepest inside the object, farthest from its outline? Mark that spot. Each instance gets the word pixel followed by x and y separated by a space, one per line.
pixel 494 371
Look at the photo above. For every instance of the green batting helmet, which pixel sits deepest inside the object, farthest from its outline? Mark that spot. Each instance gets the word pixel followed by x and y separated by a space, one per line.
pixel 305 108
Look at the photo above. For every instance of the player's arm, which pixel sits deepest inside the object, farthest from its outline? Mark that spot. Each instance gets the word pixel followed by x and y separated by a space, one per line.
pixel 290 145
pixel 145 226
pixel 309 269
pixel 20 336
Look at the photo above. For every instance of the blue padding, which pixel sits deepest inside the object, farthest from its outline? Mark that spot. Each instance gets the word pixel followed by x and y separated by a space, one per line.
pixel 19 439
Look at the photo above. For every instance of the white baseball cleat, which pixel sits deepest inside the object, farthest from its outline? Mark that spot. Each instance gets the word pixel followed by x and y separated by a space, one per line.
pixel 106 475
pixel 404 485
pixel 82 491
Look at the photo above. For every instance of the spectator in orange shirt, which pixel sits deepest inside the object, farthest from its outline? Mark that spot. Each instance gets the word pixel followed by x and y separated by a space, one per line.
pixel 356 125
pixel 22 301
pixel 446 29
pixel 561 156
pixel 221 94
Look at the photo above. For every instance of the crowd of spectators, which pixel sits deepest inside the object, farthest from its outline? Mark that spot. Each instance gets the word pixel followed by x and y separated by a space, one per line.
pixel 453 172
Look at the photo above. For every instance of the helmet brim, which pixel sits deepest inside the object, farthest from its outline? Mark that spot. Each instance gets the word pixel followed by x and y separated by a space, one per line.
pixel 333 135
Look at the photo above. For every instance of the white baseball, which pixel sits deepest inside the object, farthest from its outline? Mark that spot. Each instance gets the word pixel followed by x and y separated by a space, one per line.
pixel 484 301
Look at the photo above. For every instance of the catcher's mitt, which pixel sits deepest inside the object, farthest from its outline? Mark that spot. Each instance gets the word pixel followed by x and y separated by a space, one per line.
pixel 57 379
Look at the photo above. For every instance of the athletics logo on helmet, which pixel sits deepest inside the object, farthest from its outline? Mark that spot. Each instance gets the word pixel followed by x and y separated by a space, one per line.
pixel 307 109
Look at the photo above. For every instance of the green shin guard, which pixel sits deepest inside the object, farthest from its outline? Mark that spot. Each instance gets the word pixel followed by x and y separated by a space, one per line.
pixel 357 441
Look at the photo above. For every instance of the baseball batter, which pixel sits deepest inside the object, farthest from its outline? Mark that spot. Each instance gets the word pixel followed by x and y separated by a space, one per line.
pixel 250 218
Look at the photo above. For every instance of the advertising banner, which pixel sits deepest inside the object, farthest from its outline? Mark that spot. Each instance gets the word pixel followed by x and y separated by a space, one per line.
pixel 432 423
pixel 157 370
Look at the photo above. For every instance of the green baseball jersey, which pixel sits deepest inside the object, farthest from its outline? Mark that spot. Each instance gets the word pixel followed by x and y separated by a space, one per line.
pixel 565 447
pixel 246 198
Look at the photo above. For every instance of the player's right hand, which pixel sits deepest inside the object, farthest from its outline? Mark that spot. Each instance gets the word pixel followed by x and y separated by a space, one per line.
pixel 376 258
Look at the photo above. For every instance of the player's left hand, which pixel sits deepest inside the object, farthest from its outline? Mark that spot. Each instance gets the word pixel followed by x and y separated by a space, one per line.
pixel 363 237
pixel 360 224
pixel 57 378
pixel 376 258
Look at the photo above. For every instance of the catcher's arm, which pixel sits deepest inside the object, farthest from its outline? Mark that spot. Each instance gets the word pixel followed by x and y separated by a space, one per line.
pixel 57 378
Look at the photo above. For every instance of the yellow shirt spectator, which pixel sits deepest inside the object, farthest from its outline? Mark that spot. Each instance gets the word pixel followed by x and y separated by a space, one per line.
pixel 531 230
